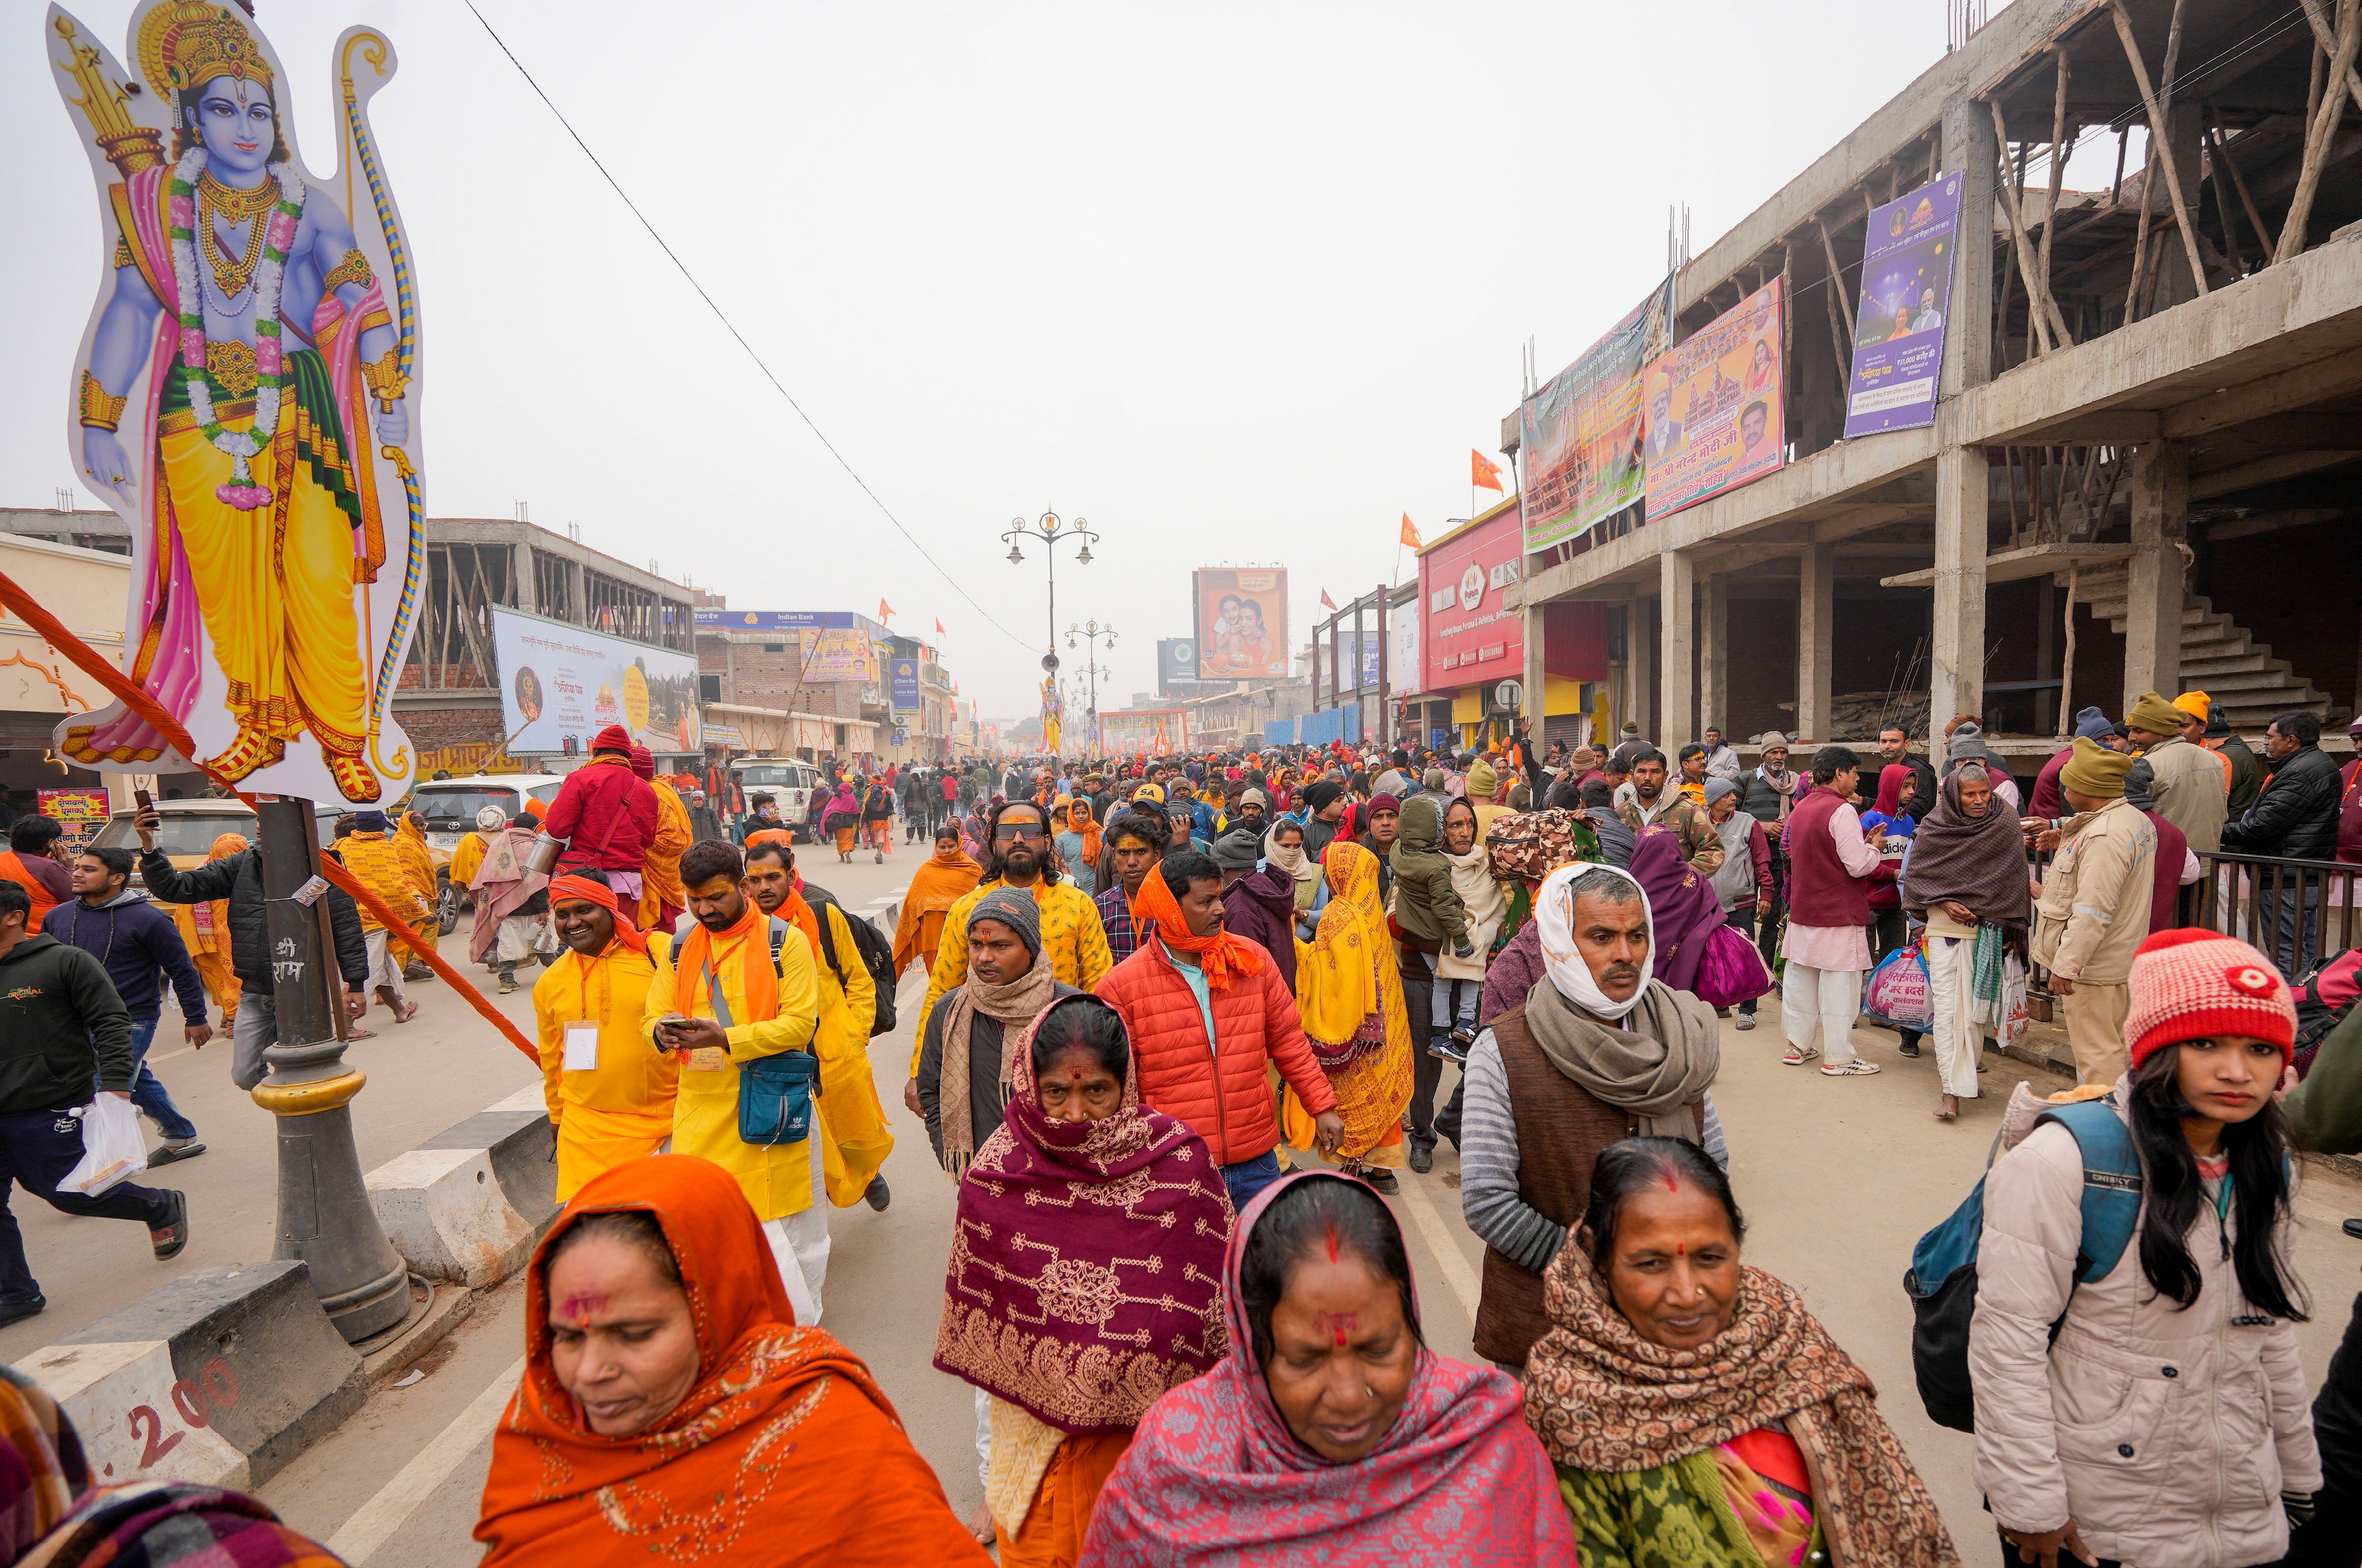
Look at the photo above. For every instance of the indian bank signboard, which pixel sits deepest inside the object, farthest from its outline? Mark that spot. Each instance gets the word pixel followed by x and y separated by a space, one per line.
pixel 1469 631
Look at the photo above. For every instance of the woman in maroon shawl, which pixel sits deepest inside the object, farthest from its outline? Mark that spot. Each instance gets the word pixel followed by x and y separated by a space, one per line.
pixel 1086 1275
pixel 1681 904
pixel 1331 1433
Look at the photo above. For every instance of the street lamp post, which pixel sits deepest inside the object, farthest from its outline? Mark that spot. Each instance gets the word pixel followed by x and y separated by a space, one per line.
pixel 1050 530
pixel 1089 631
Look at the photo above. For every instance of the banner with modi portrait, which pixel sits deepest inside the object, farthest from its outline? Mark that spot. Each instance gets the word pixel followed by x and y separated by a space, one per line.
pixel 244 397
pixel 1715 419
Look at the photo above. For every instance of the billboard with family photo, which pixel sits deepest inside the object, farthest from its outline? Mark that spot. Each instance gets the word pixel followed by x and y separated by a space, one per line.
pixel 1906 293
pixel 1242 617
pixel 1715 420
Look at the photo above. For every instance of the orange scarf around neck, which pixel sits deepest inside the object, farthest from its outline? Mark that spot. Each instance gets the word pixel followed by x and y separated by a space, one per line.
pixel 755 976
pixel 1221 956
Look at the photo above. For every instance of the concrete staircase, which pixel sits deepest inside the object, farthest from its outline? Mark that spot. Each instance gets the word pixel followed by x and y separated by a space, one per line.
pixel 2219 657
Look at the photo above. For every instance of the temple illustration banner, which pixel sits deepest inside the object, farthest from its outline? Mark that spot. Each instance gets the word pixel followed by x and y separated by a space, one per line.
pixel 1906 294
pixel 1580 449
pixel 1715 419
pixel 246 397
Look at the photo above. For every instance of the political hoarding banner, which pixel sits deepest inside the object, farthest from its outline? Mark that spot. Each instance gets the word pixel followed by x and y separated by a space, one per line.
pixel 559 682
pixel 82 812
pixel 837 652
pixel 906 685
pixel 1906 295
pixel 1242 622
pixel 1714 417
pixel 1135 732
pixel 1580 441
pixel 1470 633
pixel 280 664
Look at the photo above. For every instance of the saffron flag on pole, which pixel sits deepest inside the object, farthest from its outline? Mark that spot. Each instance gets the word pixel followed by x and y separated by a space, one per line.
pixel 1328 603
pixel 1481 474
pixel 885 610
pixel 1410 534
pixel 939 627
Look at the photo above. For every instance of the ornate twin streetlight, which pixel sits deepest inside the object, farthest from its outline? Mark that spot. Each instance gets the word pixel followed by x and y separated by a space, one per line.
pixel 1050 530
pixel 1089 631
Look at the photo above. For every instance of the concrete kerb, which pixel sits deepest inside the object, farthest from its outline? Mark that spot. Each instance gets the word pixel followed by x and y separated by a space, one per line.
pixel 220 1378
pixel 471 1203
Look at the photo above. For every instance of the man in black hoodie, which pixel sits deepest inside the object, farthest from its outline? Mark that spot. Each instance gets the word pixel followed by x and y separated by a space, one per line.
pixel 63 1027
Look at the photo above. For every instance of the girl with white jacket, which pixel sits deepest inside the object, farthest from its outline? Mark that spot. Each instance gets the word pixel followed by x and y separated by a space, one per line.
pixel 2166 1425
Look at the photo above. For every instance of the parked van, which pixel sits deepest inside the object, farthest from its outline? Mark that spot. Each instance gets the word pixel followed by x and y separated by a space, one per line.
pixel 449 806
pixel 789 781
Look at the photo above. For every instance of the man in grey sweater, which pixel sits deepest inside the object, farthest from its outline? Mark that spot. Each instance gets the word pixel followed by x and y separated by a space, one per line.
pixel 1539 1105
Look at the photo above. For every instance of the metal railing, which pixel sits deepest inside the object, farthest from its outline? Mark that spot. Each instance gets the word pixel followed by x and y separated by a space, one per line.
pixel 2296 911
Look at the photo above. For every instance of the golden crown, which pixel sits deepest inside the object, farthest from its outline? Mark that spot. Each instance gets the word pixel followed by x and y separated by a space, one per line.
pixel 186 44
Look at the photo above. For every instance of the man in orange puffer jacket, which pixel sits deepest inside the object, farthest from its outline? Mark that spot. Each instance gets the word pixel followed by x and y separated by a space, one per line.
pixel 1191 978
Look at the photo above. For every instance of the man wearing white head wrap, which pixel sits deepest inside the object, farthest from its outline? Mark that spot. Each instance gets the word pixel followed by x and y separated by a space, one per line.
pixel 1598 1050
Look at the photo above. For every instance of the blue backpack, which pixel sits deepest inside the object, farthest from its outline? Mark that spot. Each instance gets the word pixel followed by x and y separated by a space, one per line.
pixel 1942 1279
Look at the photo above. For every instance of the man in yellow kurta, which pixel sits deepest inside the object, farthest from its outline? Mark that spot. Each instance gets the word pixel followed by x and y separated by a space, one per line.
pixel 369 854
pixel 1072 937
pixel 609 1091
pixel 856 1141
pixel 769 1002
pixel 418 868
pixel 662 898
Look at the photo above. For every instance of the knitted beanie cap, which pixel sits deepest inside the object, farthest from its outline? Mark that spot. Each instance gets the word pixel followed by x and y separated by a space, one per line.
pixel 2188 984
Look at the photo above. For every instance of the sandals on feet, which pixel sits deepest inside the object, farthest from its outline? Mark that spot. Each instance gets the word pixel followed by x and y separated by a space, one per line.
pixel 1796 1058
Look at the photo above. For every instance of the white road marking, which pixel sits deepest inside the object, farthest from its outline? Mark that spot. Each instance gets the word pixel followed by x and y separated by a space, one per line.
pixel 1439 1239
pixel 374 1524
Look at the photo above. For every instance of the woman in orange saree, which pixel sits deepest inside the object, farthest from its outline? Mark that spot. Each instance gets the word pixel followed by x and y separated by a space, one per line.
pixel 671 1411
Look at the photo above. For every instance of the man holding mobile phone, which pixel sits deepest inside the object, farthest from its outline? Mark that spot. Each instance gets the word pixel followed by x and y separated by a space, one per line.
pixel 728 993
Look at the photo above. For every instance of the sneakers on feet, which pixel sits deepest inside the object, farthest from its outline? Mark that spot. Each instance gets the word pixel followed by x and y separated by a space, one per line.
pixel 1448 1047
pixel 1746 1021
pixel 17 1312
pixel 169 1238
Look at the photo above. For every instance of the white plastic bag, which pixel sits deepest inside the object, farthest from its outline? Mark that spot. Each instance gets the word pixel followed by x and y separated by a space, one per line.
pixel 112 1150
pixel 2014 1016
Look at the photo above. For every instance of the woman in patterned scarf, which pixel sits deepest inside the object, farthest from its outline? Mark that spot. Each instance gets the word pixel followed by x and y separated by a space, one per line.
pixel 1330 1432
pixel 1697 1414
pixel 1349 993
pixel 1085 1278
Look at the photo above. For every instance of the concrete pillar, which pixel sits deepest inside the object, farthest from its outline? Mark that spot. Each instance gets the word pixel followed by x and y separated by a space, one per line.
pixel 1816 621
pixel 1963 477
pixel 2156 575
pixel 1535 677
pixel 521 580
pixel 1714 658
pixel 2184 138
pixel 1639 673
pixel 1958 680
pixel 1677 651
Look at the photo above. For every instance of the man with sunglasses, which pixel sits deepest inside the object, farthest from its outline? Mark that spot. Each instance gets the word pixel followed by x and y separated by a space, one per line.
pixel 1073 939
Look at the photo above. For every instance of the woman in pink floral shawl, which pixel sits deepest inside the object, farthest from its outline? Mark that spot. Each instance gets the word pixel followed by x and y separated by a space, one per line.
pixel 1260 1462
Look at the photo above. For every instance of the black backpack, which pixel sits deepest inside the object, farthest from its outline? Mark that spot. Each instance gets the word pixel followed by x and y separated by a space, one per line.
pixel 877 955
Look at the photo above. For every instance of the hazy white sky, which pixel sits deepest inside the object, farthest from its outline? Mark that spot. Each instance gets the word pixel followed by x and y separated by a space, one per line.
pixel 1238 282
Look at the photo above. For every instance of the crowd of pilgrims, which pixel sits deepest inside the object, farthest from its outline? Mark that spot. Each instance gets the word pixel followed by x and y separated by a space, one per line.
pixel 1184 1028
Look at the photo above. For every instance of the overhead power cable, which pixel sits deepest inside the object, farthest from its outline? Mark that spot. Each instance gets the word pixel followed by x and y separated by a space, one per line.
pixel 730 328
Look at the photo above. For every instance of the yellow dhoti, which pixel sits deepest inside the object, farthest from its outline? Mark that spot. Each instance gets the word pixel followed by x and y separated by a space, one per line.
pixel 853 1138
pixel 590 1142
pixel 275 585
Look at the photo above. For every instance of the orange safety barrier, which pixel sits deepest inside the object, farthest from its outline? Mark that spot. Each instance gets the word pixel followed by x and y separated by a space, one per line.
pixel 100 669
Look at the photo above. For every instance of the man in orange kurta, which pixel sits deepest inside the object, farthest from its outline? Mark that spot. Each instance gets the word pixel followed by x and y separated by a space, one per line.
pixel 662 898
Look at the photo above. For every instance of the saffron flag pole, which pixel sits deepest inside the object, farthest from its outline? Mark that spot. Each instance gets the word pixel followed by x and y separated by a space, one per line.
pixel 885 610
pixel 1410 537
pixel 1328 603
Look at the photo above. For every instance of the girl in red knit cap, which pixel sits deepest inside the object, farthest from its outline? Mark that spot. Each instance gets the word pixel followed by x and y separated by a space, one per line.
pixel 2165 1423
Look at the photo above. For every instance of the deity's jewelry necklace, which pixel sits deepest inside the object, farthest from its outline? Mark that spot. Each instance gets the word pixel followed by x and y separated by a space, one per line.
pixel 249 207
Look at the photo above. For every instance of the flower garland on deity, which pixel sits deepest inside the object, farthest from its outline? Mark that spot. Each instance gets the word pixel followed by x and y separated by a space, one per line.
pixel 284 216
